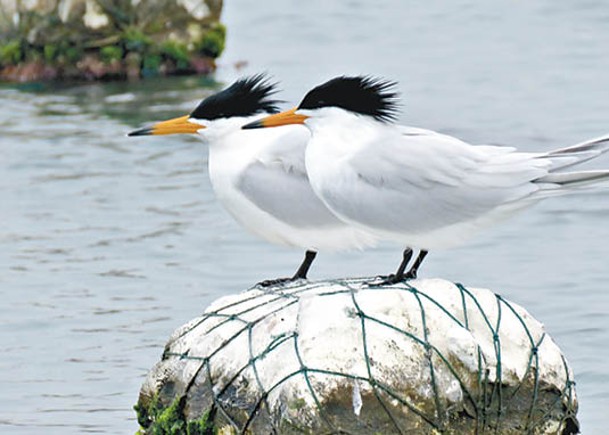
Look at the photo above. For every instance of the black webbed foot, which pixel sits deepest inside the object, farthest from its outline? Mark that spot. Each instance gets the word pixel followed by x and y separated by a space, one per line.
pixel 384 280
pixel 411 274
pixel 301 273
pixel 276 282
pixel 400 276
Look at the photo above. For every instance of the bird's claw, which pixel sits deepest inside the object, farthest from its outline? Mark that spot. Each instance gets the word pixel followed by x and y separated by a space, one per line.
pixel 272 282
pixel 410 275
pixel 386 280
pixel 276 282
pixel 392 279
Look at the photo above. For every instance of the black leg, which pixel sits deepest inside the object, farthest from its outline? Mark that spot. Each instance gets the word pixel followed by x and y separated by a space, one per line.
pixel 412 273
pixel 301 273
pixel 399 274
pixel 406 256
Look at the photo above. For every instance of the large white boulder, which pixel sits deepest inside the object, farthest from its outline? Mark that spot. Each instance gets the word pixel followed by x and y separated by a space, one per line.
pixel 424 357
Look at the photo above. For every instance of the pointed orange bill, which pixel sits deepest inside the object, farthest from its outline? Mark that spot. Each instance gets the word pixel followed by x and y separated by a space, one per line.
pixel 278 119
pixel 172 126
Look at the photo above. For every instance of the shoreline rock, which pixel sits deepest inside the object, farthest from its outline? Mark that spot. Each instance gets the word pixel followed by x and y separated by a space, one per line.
pixel 108 40
pixel 323 357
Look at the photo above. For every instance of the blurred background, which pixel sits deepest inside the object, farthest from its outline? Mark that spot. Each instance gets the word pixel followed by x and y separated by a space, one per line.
pixel 109 243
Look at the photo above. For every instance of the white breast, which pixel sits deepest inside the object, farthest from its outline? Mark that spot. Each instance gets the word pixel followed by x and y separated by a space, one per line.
pixel 260 178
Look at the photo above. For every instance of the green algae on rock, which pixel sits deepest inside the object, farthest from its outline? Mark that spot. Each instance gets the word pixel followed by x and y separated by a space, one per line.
pixel 170 419
pixel 108 39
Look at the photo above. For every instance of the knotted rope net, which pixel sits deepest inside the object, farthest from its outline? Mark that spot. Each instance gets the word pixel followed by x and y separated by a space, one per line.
pixel 274 361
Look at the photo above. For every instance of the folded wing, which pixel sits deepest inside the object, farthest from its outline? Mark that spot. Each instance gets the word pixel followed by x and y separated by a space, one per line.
pixel 433 180
pixel 277 183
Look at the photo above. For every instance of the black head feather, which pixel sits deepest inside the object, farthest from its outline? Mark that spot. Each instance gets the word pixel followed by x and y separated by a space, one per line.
pixel 247 96
pixel 363 94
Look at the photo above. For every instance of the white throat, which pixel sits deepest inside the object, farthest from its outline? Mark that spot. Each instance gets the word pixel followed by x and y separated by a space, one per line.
pixel 340 132
pixel 218 129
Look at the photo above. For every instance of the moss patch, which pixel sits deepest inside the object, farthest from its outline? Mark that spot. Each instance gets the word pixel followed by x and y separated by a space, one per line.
pixel 134 39
pixel 155 419
pixel 50 52
pixel 201 426
pixel 11 52
pixel 212 43
pixel 177 52
pixel 111 53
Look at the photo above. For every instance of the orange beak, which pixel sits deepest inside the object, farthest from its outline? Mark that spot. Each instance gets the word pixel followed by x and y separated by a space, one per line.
pixel 172 126
pixel 284 118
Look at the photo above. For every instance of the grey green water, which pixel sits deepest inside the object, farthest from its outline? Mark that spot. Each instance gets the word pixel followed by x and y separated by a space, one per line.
pixel 107 243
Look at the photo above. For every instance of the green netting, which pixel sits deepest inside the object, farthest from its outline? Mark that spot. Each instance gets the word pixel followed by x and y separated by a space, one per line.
pixel 490 406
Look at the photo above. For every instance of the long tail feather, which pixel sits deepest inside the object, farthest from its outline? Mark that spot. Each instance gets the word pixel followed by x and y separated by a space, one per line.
pixel 576 154
pixel 574 179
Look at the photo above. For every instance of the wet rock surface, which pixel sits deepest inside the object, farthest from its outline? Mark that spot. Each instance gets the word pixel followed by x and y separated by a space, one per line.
pixel 340 356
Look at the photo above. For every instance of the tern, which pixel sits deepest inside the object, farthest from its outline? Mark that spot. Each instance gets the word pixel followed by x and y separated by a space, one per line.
pixel 259 176
pixel 417 187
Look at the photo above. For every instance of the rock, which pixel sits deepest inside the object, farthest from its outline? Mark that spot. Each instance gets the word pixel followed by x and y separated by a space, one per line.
pixel 92 39
pixel 425 357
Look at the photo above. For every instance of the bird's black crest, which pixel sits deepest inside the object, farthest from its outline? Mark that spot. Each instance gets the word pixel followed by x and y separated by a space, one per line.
pixel 247 96
pixel 363 94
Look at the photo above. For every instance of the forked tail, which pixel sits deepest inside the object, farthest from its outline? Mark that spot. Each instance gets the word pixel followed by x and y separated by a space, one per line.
pixel 574 155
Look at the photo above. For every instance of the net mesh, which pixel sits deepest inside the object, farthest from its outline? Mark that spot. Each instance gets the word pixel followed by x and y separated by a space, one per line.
pixel 489 405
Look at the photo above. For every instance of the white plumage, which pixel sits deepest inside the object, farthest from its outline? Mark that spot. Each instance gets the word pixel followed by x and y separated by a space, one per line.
pixel 419 188
pixel 259 176
pixel 428 190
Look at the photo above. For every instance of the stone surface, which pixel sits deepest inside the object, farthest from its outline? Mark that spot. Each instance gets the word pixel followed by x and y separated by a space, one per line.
pixel 92 39
pixel 418 358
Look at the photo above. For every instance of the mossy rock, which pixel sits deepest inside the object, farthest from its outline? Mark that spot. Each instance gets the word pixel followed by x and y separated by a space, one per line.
pixel 95 39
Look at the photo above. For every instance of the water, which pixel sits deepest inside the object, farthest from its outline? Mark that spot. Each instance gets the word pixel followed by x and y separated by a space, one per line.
pixel 107 244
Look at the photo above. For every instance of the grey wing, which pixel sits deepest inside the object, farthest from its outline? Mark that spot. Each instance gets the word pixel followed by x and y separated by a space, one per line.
pixel 277 183
pixel 440 180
